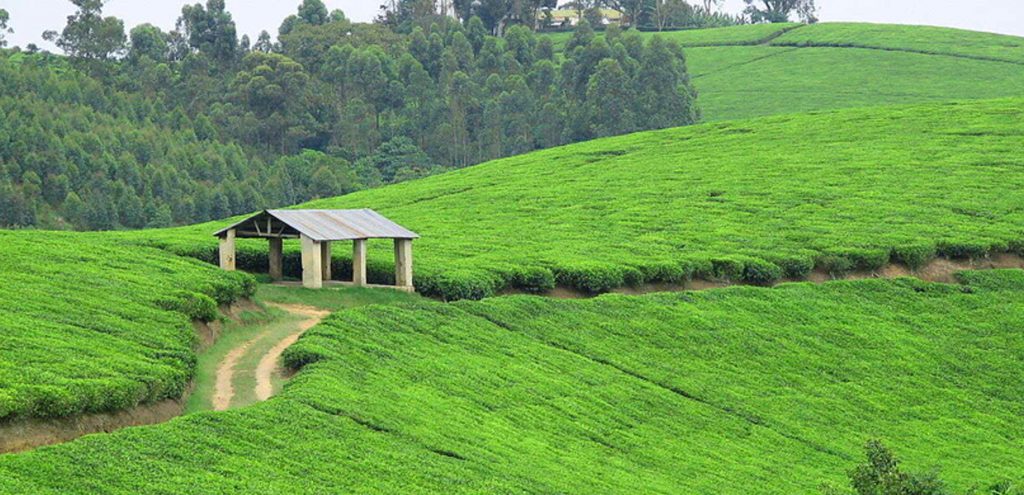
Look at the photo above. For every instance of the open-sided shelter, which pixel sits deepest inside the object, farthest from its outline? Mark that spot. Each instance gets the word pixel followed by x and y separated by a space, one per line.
pixel 317 229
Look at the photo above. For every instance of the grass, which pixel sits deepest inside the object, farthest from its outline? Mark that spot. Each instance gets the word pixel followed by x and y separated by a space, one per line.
pixel 266 328
pixel 770 69
pixel 90 325
pixel 753 201
pixel 710 392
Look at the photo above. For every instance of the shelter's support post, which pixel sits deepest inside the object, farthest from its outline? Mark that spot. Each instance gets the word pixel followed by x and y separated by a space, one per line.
pixel 227 250
pixel 312 270
pixel 325 259
pixel 359 262
pixel 403 264
pixel 276 258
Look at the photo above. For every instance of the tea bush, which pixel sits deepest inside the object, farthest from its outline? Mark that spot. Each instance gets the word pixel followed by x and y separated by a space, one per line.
pixel 89 324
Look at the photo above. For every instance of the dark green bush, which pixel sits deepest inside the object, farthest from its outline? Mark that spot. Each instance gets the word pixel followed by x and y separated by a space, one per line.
pixel 533 279
pixel 592 277
pixel 914 256
pixel 964 249
pixel 835 264
pixel 761 272
pixel 795 267
pixel 194 305
pixel 729 269
pixel 454 285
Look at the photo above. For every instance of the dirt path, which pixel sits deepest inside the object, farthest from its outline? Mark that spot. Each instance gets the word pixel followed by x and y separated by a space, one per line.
pixel 224 389
pixel 268 363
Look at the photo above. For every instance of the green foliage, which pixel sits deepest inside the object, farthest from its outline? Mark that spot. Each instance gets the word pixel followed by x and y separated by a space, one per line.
pixel 767 388
pixel 91 325
pixel 840 65
pixel 748 201
pixel 88 35
pixel 882 475
pixel 922 39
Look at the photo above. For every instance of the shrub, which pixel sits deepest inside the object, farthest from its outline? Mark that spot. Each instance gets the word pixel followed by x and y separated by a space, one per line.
pixel 194 305
pixel 761 272
pixel 963 249
pixel 592 277
pixel 533 279
pixel 795 267
pixel 730 269
pixel 835 264
pixel 914 256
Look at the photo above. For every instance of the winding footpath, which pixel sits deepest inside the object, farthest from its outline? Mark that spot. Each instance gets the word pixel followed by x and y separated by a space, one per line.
pixel 227 372
pixel 268 363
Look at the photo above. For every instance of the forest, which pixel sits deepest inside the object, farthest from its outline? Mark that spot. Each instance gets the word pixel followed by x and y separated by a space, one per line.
pixel 145 128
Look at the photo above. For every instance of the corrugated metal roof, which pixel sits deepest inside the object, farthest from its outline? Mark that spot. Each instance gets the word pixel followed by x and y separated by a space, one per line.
pixel 336 225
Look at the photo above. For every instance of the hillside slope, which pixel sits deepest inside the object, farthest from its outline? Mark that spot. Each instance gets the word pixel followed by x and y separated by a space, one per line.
pixel 752 200
pixel 89 325
pixel 770 69
pixel 743 390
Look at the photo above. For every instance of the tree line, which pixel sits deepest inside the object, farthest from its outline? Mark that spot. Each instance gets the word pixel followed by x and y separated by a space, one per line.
pixel 151 128
pixel 659 15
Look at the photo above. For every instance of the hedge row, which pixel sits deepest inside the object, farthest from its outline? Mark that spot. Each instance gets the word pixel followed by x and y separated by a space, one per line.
pixel 595 277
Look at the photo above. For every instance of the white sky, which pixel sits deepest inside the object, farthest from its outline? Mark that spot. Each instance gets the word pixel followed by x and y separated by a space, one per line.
pixel 30 18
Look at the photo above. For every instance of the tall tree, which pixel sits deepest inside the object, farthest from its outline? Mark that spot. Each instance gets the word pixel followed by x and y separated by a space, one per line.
pixel 88 35
pixel 209 30
pixel 314 12
pixel 149 41
pixel 780 10
pixel 5 18
pixel 608 100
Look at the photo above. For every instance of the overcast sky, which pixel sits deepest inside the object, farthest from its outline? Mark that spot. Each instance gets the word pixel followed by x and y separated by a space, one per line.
pixel 30 18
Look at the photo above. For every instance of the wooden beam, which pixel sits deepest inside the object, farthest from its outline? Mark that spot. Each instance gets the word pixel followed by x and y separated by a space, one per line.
pixel 403 264
pixel 325 259
pixel 276 258
pixel 359 262
pixel 312 269
pixel 227 251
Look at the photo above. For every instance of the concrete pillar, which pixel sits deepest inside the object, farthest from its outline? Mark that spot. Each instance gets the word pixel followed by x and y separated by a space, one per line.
pixel 227 251
pixel 359 262
pixel 403 264
pixel 276 258
pixel 325 259
pixel 312 267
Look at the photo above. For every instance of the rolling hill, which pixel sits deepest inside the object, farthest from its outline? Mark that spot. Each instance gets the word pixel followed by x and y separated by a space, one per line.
pixel 92 326
pixel 769 69
pixel 717 391
pixel 755 201
pixel 730 390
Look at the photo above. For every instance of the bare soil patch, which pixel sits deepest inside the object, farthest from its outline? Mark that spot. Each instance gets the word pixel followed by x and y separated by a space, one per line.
pixel 269 362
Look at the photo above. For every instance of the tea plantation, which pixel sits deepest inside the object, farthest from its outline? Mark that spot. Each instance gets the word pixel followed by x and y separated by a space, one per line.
pixel 754 201
pixel 770 69
pixel 710 392
pixel 90 325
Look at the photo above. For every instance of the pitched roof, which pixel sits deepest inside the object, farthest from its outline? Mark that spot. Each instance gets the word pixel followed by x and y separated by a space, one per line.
pixel 327 225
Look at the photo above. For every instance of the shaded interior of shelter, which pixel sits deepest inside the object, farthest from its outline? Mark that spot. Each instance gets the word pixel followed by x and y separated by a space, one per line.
pixel 320 232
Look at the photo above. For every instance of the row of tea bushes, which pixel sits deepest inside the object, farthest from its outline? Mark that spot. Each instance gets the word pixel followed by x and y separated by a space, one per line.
pixel 754 201
pixel 89 324
pixel 705 392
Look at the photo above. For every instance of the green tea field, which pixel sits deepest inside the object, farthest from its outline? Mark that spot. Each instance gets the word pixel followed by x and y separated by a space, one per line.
pixel 715 391
pixel 825 261
pixel 755 201
pixel 770 69
pixel 90 325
